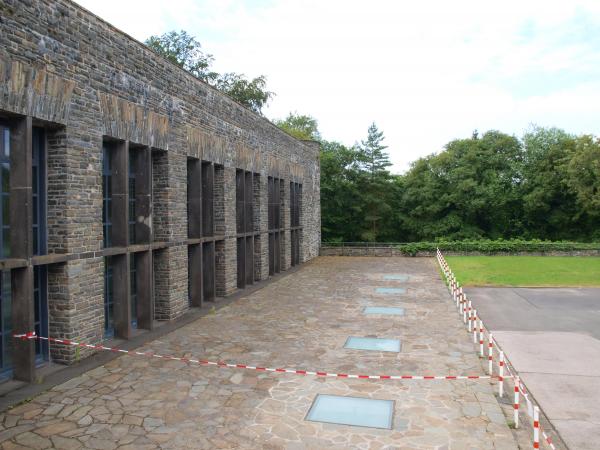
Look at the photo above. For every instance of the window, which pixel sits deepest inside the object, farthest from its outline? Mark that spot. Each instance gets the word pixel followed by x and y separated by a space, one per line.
pixel 133 289
pixel 40 302
pixel 38 172
pixel 208 222
pixel 109 327
pixel 295 201
pixel 5 322
pixel 194 198
pixel 245 226
pixel 131 206
pixel 4 191
pixel 274 186
pixel 107 196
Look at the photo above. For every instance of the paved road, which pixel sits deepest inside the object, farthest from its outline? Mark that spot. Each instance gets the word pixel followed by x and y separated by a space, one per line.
pixel 301 321
pixel 552 337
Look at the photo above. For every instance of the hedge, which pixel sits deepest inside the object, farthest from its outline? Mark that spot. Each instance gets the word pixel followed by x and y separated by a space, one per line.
pixel 498 246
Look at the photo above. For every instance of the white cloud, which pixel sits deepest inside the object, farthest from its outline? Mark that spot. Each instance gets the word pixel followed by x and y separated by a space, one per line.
pixel 425 72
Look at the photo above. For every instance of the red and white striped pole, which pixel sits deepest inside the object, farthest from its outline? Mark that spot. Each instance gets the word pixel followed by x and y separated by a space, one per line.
pixel 501 374
pixel 481 338
pixel 464 309
pixel 490 353
pixel 536 427
pixel 469 316
pixel 516 402
pixel 474 320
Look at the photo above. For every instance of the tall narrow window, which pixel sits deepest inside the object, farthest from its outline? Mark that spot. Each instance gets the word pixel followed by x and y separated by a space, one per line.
pixel 244 226
pixel 109 326
pixel 38 172
pixel 5 323
pixel 4 191
pixel 133 289
pixel 295 195
pixel 107 196
pixel 208 222
pixel 274 211
pixel 40 302
pixel 194 198
pixel 239 201
pixel 132 185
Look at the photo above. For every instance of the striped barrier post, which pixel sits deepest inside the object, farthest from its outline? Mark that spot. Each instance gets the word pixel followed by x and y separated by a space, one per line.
pixel 516 402
pixel 469 316
pixel 474 320
pixel 490 353
pixel 481 338
pixel 501 374
pixel 464 309
pixel 536 427
pixel 456 298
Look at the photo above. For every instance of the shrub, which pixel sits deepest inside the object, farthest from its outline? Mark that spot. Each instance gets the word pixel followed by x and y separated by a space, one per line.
pixel 487 246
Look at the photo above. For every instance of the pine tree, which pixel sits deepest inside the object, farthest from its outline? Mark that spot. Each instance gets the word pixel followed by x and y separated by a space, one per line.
pixel 371 153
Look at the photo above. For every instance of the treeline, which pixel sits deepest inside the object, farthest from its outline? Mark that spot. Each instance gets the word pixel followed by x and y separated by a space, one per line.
pixel 545 185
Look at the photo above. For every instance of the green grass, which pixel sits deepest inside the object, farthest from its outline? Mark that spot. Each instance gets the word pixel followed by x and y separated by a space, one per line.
pixel 566 271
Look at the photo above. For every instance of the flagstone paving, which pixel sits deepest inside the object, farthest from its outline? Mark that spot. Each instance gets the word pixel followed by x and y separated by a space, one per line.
pixel 300 321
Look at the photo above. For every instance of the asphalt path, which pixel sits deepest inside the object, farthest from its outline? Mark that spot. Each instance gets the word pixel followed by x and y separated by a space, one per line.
pixel 552 337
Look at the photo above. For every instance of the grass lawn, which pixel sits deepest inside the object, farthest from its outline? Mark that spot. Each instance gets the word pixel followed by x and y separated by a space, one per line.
pixel 566 271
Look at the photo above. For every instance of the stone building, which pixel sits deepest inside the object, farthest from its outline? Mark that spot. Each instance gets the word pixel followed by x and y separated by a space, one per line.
pixel 131 191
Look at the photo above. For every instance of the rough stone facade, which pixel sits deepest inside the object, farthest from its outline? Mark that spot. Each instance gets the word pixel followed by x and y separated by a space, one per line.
pixel 84 81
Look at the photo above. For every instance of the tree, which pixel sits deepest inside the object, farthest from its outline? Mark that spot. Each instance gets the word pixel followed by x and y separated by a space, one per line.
pixel 548 207
pixel 470 190
pixel 371 152
pixel 250 93
pixel 582 178
pixel 342 211
pixel 183 50
pixel 300 126
pixel 375 182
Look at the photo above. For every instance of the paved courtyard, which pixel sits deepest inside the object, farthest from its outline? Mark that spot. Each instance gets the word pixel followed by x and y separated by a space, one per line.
pixel 552 337
pixel 301 321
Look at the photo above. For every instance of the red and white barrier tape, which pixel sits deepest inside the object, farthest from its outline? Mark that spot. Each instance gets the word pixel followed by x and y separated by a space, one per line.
pixel 249 367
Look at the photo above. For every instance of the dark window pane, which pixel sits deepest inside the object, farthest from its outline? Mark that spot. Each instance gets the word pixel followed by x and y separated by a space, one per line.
pixel 6 242
pixel 5 177
pixel 6 133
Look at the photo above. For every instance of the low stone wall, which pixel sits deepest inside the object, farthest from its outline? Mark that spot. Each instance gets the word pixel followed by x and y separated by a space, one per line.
pixel 361 251
pixel 393 251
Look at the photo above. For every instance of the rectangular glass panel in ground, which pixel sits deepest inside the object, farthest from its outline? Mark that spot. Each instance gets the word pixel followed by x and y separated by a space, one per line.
pixel 386 290
pixel 384 310
pixel 377 344
pixel 396 277
pixel 362 412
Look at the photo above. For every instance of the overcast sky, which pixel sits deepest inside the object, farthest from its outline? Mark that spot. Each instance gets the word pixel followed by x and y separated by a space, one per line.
pixel 425 72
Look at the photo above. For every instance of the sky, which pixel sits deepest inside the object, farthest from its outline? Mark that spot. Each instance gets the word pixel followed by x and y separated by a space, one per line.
pixel 426 72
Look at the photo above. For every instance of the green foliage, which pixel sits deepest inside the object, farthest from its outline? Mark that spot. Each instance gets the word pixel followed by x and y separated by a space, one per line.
pixel 487 246
pixel 371 153
pixel 183 50
pixel 358 194
pixel 250 93
pixel 582 169
pixel 300 126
